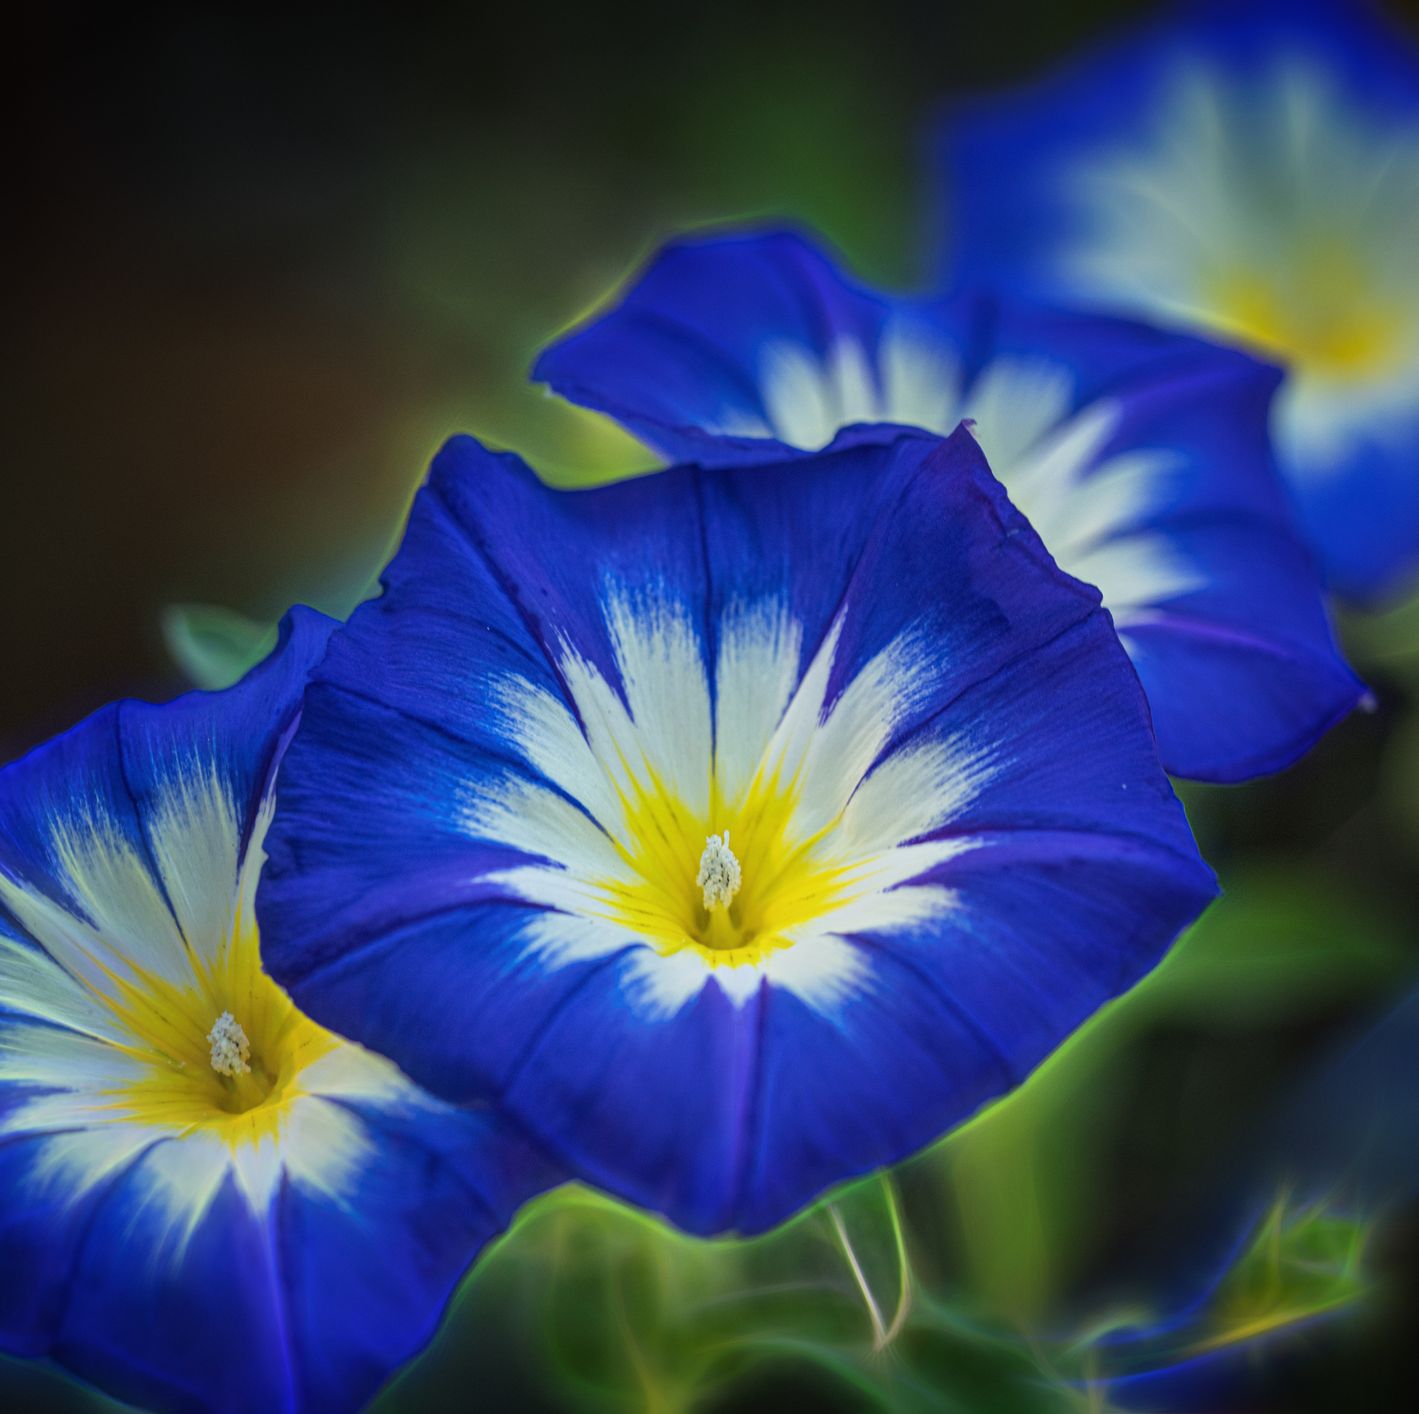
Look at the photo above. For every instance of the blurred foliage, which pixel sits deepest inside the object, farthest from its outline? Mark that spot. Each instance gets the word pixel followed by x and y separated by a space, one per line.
pixel 1388 641
pixel 587 1305
pixel 1028 1175
pixel 1299 1265
pixel 609 1310
pixel 214 646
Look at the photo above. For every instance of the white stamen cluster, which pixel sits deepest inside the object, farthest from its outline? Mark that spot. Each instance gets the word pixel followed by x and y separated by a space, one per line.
pixel 231 1051
pixel 719 874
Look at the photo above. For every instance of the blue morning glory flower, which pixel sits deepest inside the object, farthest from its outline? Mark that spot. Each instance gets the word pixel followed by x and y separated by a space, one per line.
pixel 738 831
pixel 1253 170
pixel 1141 458
pixel 209 1201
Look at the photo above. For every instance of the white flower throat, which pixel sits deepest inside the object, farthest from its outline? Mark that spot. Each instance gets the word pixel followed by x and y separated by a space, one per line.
pixel 744 832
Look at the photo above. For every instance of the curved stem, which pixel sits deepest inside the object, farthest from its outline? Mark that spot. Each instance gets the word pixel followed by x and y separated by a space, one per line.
pixel 904 1289
pixel 883 1332
pixel 878 1329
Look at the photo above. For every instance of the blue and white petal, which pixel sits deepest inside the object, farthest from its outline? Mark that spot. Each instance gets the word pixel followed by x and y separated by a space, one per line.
pixel 1141 459
pixel 728 344
pixel 1251 170
pixel 736 831
pixel 208 1201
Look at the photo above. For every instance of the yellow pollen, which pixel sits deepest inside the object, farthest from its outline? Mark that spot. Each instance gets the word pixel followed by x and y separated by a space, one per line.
pixel 719 875
pixel 236 1079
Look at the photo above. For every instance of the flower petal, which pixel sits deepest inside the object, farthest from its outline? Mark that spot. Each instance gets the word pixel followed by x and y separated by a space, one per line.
pixel 1140 457
pixel 729 337
pixel 1250 171
pixel 876 632
pixel 187 1258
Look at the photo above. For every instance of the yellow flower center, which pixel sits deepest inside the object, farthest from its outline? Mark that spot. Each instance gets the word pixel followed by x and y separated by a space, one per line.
pixel 733 903
pixel 1319 309
pixel 222 1052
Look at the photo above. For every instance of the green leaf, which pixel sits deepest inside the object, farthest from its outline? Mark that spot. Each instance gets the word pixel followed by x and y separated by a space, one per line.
pixel 1278 942
pixel 1384 642
pixel 214 646
pixel 1301 1262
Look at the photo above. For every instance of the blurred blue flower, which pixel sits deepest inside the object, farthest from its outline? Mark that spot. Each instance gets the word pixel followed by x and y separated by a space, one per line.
pixel 208 1200
pixel 737 831
pixel 1140 458
pixel 1254 170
